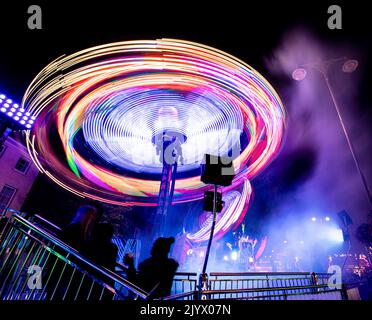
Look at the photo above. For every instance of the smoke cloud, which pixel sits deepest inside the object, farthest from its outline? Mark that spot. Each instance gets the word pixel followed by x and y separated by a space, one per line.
pixel 315 175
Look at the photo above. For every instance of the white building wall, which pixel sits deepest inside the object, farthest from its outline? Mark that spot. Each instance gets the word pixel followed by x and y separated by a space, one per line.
pixel 9 176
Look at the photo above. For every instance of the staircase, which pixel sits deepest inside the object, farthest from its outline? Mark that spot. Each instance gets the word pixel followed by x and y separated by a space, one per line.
pixel 36 265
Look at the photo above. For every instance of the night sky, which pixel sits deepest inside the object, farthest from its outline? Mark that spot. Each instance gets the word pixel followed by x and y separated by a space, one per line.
pixel 259 34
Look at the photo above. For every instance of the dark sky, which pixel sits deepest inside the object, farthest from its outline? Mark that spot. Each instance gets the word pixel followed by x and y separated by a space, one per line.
pixel 252 32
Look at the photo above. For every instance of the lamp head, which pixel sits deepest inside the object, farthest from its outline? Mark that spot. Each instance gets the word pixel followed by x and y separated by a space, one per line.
pixel 350 65
pixel 299 74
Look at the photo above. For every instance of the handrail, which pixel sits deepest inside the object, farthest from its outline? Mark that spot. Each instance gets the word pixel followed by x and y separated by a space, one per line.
pixel 187 274
pixel 108 273
pixel 48 222
pixel 46 247
pixel 285 294
pixel 179 295
pixel 84 265
pixel 39 217
pixel 233 274
pixel 219 291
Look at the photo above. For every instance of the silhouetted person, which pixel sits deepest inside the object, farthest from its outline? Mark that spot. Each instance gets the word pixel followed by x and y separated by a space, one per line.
pixel 100 249
pixel 155 274
pixel 76 234
pixel 131 271
pixel 102 252
pixel 81 228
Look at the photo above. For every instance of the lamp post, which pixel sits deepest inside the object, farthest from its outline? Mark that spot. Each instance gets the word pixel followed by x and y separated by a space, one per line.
pixel 349 66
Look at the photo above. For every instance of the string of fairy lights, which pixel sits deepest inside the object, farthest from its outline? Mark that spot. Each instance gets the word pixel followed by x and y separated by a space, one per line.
pixel 108 103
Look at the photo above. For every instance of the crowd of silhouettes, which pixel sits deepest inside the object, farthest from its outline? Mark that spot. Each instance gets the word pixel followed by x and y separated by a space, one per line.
pixel 93 240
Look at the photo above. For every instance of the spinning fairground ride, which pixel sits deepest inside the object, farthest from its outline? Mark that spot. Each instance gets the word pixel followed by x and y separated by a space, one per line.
pixel 129 123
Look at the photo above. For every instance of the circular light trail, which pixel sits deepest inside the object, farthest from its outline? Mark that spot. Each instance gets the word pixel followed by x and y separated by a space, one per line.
pixel 103 106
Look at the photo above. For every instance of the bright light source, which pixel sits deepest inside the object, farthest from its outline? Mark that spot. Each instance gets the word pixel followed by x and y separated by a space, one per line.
pixel 335 235
pixel 226 258
pixel 234 255
pixel 302 242
pixel 299 74
pixel 350 66
pixel 201 254
pixel 251 259
pixel 313 219
pixel 15 113
pixel 327 218
pixel 285 241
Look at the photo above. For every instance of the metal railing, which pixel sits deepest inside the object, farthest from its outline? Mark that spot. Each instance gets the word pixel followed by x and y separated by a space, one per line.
pixel 26 248
pixel 261 286
pixel 264 286
pixel 185 285
pixel 35 265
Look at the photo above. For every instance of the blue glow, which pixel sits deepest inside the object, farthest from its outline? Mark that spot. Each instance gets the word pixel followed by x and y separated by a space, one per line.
pixel 234 255
pixel 335 235
pixel 13 111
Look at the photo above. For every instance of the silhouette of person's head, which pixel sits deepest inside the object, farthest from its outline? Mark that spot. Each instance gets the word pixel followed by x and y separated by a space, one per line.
pixel 161 247
pixel 103 232
pixel 85 215
pixel 98 209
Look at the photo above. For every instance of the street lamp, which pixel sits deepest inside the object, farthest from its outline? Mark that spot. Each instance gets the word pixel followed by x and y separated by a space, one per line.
pixel 348 66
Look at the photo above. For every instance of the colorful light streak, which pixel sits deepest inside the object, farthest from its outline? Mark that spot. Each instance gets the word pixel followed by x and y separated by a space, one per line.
pixel 236 205
pixel 113 99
